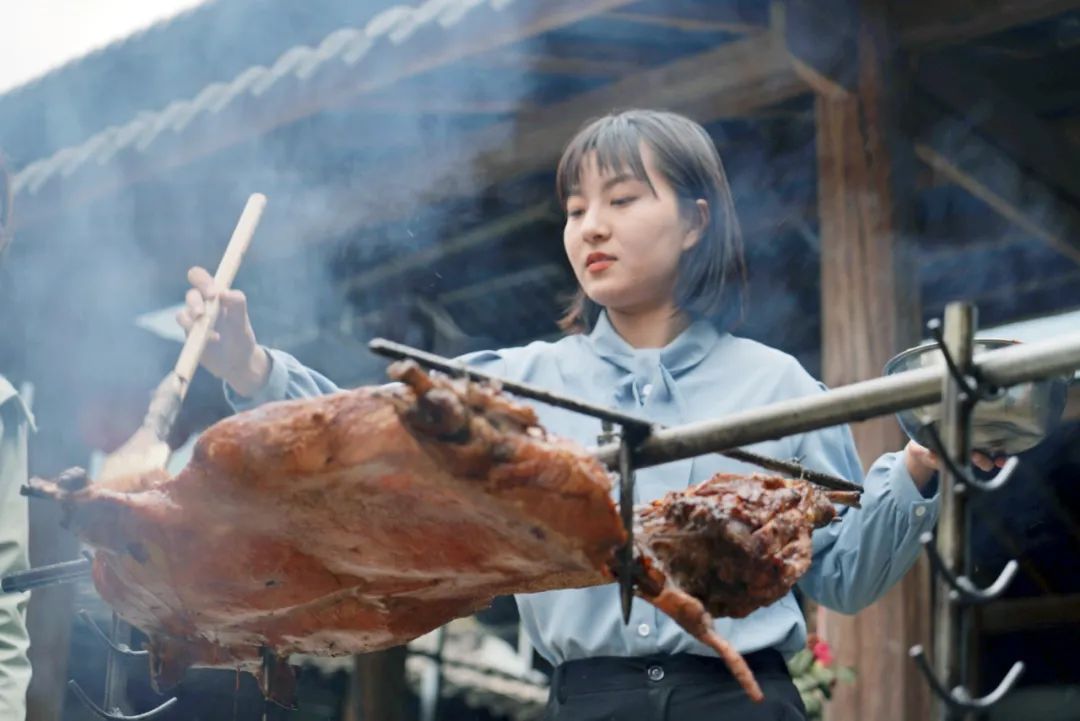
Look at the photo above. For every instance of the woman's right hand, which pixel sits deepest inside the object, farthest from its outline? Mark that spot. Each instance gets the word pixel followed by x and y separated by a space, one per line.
pixel 232 353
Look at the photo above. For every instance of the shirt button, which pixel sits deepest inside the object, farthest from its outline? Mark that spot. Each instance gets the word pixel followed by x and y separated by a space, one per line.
pixel 920 511
pixel 656 673
pixel 643 630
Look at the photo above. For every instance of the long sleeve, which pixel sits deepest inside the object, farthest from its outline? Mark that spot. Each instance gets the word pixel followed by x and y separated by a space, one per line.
pixel 288 379
pixel 858 558
pixel 14 642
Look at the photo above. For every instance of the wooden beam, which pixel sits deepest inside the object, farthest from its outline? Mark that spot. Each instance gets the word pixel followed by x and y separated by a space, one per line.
pixel 1013 161
pixel 546 274
pixel 1012 293
pixel 1026 614
pixel 950 247
pixel 487 233
pixel 688 24
pixel 729 81
pixel 948 22
pixel 438 106
pixel 870 311
pixel 987 174
pixel 1036 146
pixel 484 30
pixel 546 64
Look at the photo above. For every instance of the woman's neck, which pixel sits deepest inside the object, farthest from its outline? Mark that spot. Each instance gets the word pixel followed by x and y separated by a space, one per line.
pixel 649 329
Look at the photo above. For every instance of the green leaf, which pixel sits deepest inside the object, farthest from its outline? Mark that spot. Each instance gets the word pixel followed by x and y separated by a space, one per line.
pixel 823 674
pixel 814 703
pixel 800 663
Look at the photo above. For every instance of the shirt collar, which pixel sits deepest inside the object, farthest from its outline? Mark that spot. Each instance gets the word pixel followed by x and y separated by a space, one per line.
pixel 680 355
pixel 8 393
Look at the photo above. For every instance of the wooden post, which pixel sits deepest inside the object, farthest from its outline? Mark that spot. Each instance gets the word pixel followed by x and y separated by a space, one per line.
pixel 870 311
pixel 378 691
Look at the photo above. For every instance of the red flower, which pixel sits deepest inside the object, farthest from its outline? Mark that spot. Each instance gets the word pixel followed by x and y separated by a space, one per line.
pixel 822 652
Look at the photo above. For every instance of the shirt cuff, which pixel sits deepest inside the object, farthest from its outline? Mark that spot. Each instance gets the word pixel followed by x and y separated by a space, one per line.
pixel 907 494
pixel 274 389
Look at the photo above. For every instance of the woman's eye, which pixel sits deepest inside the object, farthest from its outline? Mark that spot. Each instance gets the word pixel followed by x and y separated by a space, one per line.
pixel 624 200
pixel 575 213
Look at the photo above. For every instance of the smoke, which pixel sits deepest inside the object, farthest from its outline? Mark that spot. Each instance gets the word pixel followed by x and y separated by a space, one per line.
pixel 356 182
pixel 105 240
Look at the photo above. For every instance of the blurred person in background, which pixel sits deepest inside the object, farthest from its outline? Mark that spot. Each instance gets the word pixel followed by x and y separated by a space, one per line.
pixel 15 424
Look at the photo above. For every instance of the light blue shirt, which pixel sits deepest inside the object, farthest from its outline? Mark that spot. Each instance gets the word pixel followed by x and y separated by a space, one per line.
pixel 702 374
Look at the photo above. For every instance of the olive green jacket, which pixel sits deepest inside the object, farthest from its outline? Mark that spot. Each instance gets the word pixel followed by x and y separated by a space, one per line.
pixel 15 424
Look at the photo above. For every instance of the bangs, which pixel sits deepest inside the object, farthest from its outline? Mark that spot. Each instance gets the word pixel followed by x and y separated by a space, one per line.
pixel 617 145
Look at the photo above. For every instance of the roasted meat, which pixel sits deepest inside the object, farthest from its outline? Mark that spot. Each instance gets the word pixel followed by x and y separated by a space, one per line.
pixel 363 519
pixel 736 543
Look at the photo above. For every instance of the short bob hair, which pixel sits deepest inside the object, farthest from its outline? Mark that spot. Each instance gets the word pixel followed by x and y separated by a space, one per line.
pixel 712 274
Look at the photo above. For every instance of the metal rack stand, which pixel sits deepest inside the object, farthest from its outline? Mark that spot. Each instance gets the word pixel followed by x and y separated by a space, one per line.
pixel 115 642
pixel 955 593
pixel 115 674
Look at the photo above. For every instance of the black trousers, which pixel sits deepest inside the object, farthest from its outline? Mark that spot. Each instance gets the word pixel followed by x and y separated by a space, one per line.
pixel 680 687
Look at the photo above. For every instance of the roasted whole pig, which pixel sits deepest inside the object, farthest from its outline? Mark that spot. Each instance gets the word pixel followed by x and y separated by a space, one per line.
pixel 360 520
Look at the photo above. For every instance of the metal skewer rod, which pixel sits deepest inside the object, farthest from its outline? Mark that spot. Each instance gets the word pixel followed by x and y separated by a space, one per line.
pixel 451 367
pixel 42 576
pixel 855 402
pixel 401 352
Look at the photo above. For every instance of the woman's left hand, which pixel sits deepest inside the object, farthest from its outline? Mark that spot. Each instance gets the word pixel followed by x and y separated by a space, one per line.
pixel 922 463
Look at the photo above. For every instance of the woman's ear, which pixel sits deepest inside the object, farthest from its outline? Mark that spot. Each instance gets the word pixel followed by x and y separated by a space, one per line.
pixel 699 222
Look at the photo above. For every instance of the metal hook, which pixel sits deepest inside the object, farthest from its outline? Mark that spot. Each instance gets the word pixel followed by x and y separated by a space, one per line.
pixel 974 387
pixel 102 713
pixel 967 382
pixel 1000 479
pixel 963 589
pixel 964 478
pixel 121 648
pixel 960 699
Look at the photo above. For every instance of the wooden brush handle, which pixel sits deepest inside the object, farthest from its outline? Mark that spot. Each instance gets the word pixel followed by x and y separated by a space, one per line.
pixel 223 278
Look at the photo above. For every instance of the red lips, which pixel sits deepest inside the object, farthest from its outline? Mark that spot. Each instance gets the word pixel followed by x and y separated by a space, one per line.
pixel 596 262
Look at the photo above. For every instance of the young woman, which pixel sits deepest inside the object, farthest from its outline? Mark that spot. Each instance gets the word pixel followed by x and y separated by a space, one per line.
pixel 652 236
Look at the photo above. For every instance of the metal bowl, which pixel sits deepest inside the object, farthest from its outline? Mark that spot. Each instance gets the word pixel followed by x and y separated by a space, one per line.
pixel 1013 421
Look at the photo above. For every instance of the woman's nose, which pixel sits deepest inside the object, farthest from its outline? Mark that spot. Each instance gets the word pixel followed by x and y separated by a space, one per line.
pixel 594 228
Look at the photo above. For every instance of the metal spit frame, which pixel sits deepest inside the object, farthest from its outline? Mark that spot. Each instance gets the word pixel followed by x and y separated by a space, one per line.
pixel 639 444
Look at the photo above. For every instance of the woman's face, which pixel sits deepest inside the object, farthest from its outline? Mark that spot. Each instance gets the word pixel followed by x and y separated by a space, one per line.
pixel 623 239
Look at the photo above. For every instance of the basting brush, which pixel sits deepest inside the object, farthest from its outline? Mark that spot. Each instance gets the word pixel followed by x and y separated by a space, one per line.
pixel 147 448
